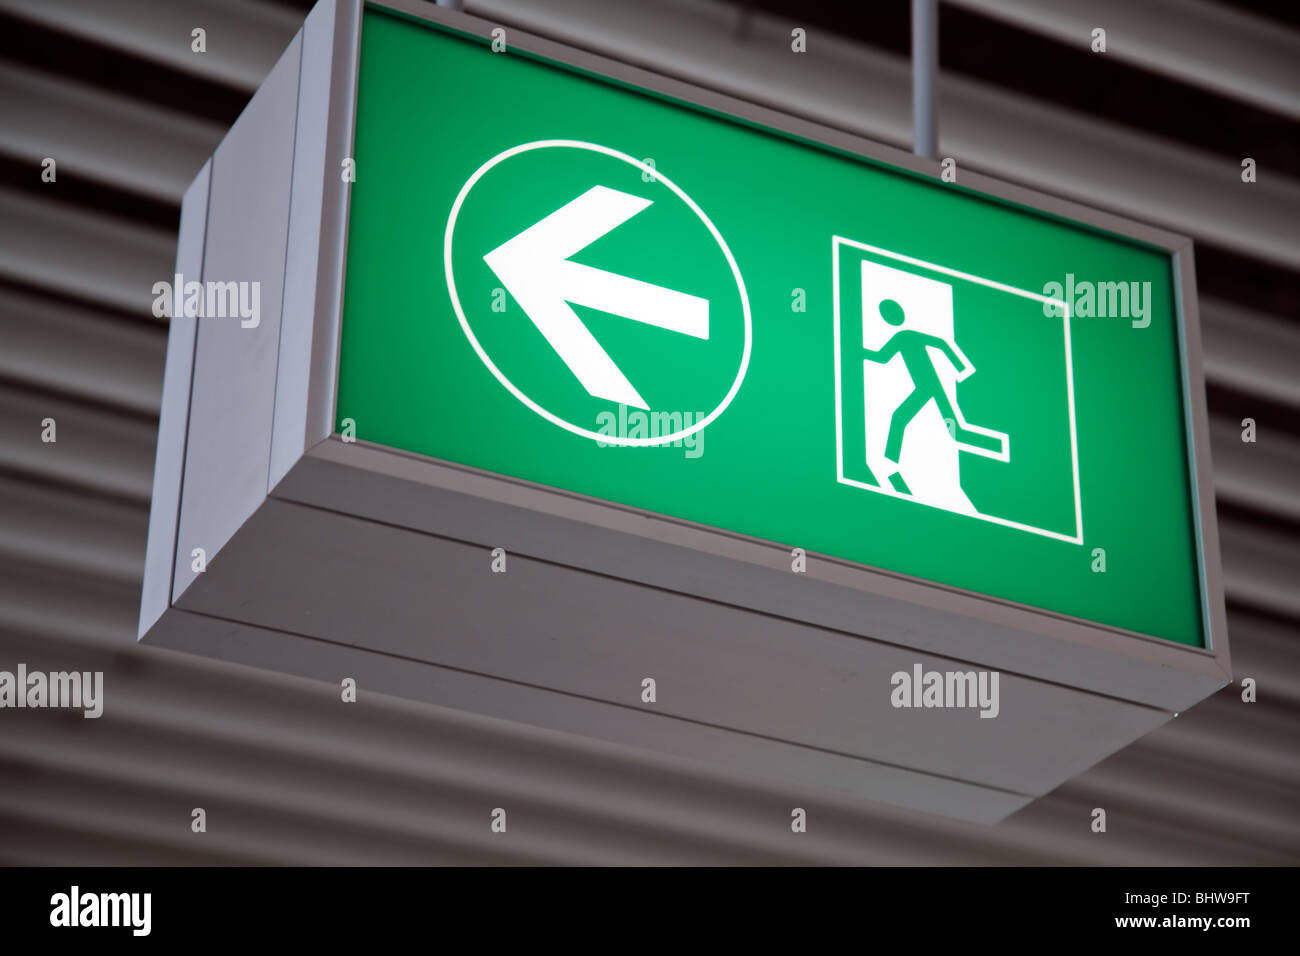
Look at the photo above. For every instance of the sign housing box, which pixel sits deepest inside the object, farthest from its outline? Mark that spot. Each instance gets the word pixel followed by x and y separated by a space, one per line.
pixel 329 558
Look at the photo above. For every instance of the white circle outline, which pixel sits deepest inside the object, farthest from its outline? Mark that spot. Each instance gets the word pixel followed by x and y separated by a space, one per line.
pixel 515 390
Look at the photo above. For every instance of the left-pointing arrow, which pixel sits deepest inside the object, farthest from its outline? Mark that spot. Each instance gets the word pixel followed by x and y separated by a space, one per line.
pixel 535 267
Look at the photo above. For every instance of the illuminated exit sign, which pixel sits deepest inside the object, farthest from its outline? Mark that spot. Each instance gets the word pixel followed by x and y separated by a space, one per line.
pixel 588 400
pixel 585 285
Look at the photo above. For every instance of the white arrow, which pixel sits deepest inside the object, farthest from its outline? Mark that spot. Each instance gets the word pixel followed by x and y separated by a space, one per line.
pixel 535 267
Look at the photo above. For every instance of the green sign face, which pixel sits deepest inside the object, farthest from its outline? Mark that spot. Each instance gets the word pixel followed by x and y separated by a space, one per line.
pixel 559 278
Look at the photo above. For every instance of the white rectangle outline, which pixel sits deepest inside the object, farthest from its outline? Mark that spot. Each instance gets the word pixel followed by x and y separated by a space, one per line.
pixel 1077 538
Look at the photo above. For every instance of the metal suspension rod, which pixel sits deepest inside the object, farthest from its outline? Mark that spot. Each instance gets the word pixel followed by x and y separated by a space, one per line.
pixel 925 69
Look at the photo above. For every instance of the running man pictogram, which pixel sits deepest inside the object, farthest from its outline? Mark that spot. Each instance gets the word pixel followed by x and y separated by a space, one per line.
pixel 914 347
pixel 912 420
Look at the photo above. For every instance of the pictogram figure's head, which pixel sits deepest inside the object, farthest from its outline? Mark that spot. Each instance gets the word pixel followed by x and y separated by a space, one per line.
pixel 891 312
